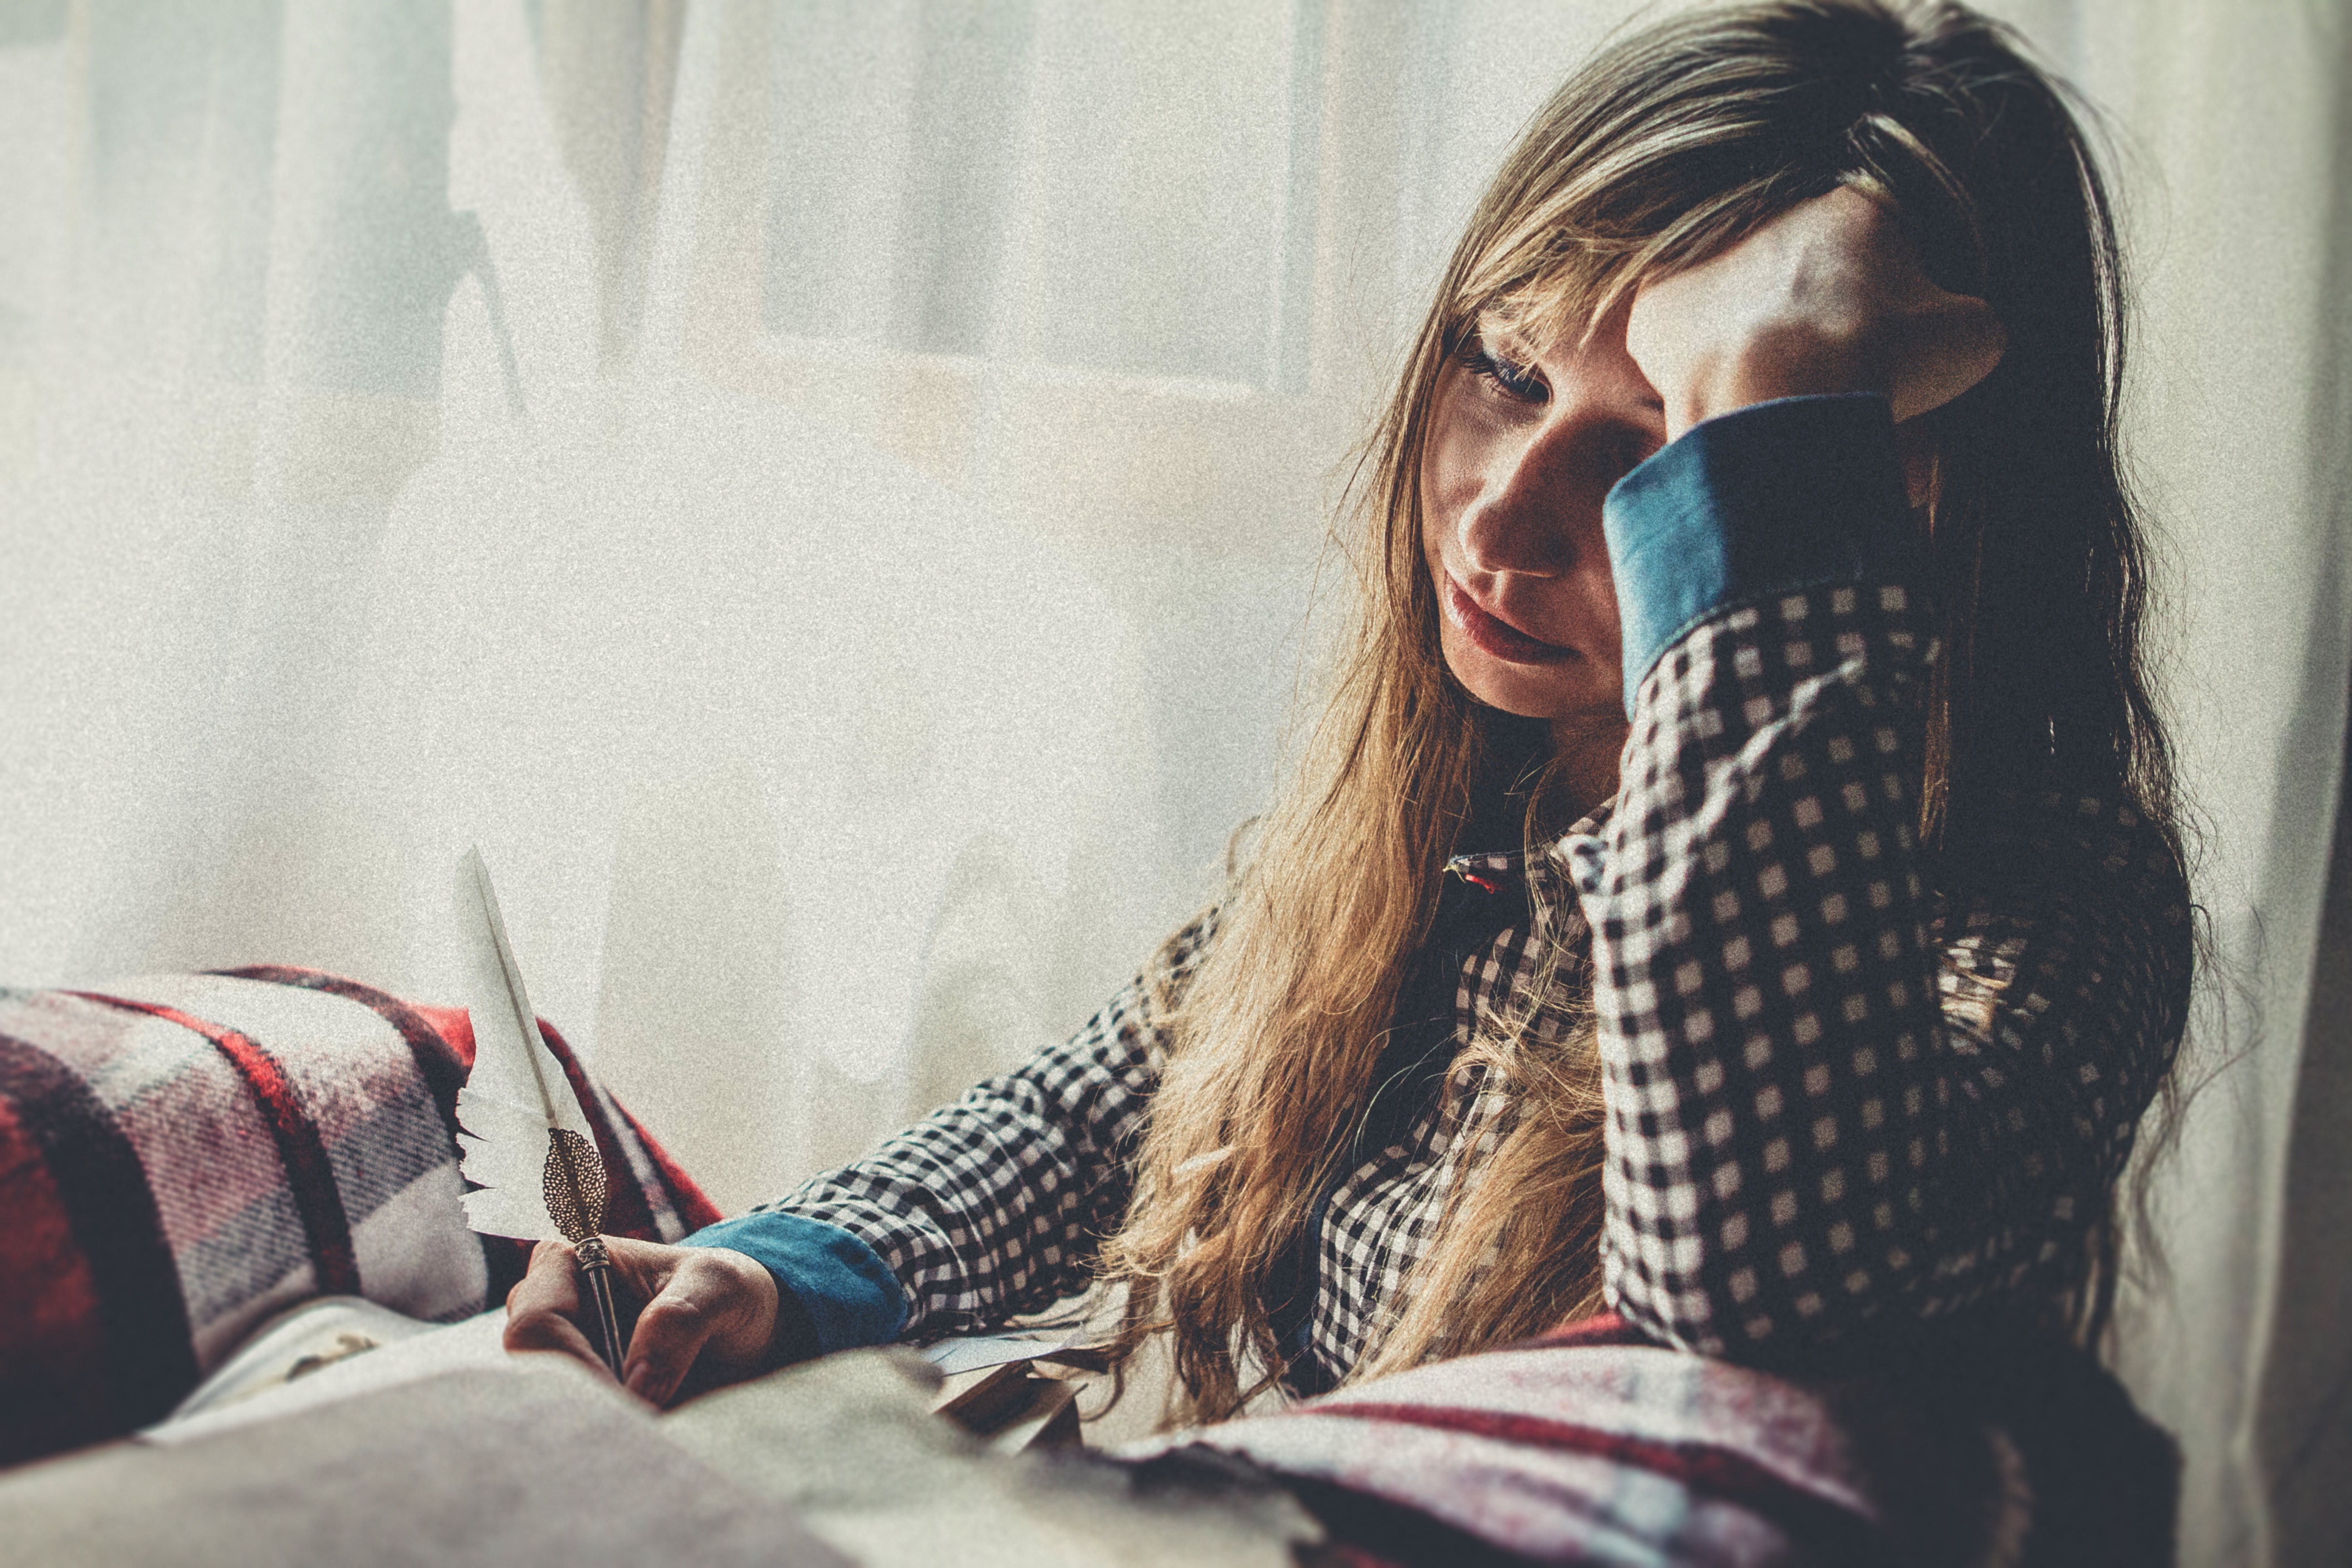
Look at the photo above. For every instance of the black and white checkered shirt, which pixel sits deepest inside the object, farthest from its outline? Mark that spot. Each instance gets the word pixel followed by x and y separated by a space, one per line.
pixel 1832 1095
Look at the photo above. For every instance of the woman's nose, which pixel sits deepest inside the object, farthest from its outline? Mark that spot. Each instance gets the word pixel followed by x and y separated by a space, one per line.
pixel 1531 513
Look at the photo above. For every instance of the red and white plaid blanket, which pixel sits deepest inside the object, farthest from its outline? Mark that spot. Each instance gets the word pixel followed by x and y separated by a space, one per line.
pixel 1591 1445
pixel 183 1156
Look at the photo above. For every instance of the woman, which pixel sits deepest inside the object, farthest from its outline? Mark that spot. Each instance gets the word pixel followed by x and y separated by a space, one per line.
pixel 1734 880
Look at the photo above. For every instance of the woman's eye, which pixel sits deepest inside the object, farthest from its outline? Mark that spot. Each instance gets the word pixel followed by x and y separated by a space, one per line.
pixel 1512 379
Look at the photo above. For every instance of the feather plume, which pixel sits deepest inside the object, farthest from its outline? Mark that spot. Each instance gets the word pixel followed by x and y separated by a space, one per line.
pixel 526 1144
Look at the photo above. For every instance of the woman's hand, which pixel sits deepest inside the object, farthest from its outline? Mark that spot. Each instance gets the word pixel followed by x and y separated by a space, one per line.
pixel 708 1311
pixel 1828 297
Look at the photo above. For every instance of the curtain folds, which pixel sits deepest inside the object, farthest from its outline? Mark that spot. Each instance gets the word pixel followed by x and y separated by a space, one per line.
pixel 828 495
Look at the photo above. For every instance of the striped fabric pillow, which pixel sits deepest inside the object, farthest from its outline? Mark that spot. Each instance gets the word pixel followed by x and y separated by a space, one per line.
pixel 183 1156
pixel 1591 1444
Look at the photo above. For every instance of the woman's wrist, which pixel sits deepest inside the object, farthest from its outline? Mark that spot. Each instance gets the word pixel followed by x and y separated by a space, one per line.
pixel 1772 498
pixel 832 1292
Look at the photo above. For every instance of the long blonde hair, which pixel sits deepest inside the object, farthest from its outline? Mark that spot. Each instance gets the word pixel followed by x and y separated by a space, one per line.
pixel 1666 148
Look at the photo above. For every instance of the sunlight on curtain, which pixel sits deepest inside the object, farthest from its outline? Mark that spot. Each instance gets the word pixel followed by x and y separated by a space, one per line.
pixel 828 495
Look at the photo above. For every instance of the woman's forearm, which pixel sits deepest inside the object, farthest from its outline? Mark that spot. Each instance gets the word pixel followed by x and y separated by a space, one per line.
pixel 1798 1138
pixel 993 1206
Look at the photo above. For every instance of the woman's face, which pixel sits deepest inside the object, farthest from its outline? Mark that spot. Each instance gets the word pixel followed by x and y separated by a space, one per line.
pixel 1525 441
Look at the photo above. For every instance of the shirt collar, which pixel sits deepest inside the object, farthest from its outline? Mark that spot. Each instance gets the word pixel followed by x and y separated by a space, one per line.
pixel 1550 888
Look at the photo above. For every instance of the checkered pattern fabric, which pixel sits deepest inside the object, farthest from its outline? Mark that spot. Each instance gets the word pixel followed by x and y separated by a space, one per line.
pixel 1829 1096
pixel 1832 1095
pixel 1384 1214
pixel 994 1205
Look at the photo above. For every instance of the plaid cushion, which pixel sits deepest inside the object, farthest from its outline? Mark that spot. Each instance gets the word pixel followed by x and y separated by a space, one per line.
pixel 181 1156
pixel 1589 1445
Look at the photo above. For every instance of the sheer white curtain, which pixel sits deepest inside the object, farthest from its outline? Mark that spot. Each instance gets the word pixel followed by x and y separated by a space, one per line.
pixel 827 495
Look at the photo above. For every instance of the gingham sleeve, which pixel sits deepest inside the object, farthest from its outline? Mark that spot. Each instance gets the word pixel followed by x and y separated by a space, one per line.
pixel 1827 1099
pixel 996 1205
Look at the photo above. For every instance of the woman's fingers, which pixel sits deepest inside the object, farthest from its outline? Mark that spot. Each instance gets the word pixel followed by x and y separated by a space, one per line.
pixel 543 1307
pixel 698 1308
pixel 707 1305
pixel 644 1267
pixel 671 1332
pixel 1829 296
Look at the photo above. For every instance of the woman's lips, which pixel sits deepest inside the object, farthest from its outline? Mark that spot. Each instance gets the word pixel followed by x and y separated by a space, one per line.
pixel 1494 636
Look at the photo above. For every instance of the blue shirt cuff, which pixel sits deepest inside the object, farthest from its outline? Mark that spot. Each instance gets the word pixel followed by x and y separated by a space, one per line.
pixel 832 1292
pixel 1777 497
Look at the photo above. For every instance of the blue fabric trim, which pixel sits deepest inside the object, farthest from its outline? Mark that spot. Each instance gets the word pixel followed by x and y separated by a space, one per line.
pixel 845 1295
pixel 1770 499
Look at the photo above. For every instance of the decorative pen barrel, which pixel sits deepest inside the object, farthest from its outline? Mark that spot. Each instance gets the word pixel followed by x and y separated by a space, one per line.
pixel 596 1270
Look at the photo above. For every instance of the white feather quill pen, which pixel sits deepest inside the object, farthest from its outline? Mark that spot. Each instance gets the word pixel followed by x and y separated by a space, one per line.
pixel 525 1143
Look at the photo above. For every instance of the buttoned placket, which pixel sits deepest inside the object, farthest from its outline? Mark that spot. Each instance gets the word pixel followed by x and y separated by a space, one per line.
pixel 1418 1095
